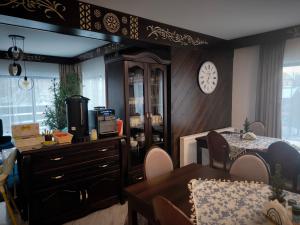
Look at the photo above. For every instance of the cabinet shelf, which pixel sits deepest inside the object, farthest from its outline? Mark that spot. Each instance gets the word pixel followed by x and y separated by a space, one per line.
pixel 146 86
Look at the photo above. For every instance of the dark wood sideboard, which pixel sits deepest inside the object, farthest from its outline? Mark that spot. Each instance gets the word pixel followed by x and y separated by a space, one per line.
pixel 65 182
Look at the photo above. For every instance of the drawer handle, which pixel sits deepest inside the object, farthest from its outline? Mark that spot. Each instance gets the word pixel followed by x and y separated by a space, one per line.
pixel 86 194
pixel 140 178
pixel 56 159
pixel 103 150
pixel 80 196
pixel 57 177
pixel 103 166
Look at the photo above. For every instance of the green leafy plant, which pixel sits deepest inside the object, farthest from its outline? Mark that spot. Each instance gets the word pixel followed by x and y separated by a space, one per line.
pixel 246 125
pixel 277 183
pixel 55 115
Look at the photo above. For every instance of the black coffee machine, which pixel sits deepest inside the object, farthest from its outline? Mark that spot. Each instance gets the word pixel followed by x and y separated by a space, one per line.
pixel 77 117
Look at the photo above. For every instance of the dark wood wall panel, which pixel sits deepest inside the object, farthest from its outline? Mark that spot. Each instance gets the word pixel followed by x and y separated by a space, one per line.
pixel 191 110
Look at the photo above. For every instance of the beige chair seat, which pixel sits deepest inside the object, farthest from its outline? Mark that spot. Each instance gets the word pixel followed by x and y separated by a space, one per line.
pixel 250 168
pixel 157 162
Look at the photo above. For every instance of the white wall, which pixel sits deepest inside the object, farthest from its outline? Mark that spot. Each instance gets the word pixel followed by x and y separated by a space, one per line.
pixel 245 70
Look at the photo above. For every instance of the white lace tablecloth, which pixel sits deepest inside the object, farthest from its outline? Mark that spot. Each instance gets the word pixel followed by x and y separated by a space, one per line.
pixel 224 202
pixel 239 146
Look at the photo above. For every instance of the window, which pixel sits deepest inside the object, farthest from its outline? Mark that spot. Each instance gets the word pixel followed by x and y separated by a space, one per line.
pixel 291 104
pixel 93 81
pixel 18 106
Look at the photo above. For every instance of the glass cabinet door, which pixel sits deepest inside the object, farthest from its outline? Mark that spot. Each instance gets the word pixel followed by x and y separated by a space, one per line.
pixel 157 104
pixel 136 103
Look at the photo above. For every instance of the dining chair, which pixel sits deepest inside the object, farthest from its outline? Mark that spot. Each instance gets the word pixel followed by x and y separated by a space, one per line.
pixel 257 128
pixel 251 167
pixel 166 213
pixel 219 150
pixel 157 162
pixel 289 158
pixel 5 169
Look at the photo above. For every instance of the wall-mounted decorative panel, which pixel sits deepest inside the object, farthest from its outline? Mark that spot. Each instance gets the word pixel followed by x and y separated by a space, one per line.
pixel 88 17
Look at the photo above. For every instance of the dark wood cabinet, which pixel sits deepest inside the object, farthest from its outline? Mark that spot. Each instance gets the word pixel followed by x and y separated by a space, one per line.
pixel 137 90
pixel 64 182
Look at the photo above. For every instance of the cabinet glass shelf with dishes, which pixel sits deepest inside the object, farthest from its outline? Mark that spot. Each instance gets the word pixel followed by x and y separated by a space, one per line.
pixel 136 79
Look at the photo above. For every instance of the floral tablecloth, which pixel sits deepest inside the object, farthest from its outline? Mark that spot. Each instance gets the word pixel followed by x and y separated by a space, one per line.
pixel 239 146
pixel 224 202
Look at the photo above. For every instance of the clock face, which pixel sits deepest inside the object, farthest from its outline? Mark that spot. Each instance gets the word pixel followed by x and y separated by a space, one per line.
pixel 208 77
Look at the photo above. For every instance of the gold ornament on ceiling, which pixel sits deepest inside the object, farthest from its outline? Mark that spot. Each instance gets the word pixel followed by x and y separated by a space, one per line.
pixel 97 13
pixel 124 20
pixel 165 34
pixel 97 26
pixel 49 7
pixel 124 31
pixel 111 22
pixel 85 16
pixel 134 27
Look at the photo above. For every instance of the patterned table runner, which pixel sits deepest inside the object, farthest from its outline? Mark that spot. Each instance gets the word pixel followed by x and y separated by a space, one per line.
pixel 224 202
pixel 239 146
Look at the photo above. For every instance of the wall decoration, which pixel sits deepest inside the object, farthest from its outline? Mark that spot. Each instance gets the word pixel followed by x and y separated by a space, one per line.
pixel 183 39
pixel 85 16
pixel 97 26
pixel 124 31
pixel 124 20
pixel 76 16
pixel 111 22
pixel 134 27
pixel 49 7
pixel 97 13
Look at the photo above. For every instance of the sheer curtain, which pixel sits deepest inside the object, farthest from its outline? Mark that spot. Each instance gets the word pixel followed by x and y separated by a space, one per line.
pixel 93 80
pixel 291 92
pixel 269 87
pixel 18 106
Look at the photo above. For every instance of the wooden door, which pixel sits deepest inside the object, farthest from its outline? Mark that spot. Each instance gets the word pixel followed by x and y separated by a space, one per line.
pixel 102 191
pixel 55 205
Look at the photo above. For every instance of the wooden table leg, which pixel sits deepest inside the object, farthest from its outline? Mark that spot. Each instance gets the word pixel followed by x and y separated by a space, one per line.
pixel 132 214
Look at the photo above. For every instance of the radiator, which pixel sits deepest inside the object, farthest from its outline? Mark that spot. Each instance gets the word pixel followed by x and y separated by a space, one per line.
pixel 188 148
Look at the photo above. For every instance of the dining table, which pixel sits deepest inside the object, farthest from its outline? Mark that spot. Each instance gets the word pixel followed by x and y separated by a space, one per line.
pixel 176 187
pixel 239 145
pixel 173 186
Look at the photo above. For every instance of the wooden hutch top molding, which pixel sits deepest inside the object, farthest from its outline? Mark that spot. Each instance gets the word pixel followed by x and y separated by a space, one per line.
pixel 146 57
pixel 112 25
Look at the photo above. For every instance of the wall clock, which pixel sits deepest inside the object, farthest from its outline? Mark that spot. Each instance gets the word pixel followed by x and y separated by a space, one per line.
pixel 208 77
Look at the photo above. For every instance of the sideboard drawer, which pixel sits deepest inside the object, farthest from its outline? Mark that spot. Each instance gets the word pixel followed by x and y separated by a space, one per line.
pixel 94 168
pixel 67 156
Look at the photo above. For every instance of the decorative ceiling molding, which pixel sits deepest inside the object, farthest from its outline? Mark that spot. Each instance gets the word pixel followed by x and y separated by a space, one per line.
pixel 108 23
pixel 165 34
pixel 49 7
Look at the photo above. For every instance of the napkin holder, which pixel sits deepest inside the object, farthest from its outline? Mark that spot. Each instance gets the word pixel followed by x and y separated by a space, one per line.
pixel 277 213
pixel 249 136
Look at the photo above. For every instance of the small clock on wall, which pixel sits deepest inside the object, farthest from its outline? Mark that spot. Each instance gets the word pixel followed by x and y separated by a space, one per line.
pixel 208 77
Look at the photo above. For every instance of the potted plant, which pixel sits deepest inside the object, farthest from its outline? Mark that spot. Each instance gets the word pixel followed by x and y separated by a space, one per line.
pixel 246 125
pixel 55 115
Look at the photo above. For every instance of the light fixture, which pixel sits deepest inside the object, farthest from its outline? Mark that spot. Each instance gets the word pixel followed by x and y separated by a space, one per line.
pixel 25 83
pixel 15 69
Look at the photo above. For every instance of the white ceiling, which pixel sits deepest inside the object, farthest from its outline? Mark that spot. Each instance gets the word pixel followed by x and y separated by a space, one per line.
pixel 227 19
pixel 48 43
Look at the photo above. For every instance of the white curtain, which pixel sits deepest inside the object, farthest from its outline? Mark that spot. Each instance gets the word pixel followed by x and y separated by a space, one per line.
pixel 18 106
pixel 93 80
pixel 291 92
